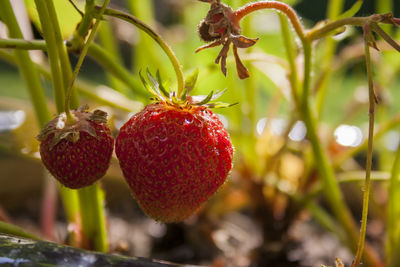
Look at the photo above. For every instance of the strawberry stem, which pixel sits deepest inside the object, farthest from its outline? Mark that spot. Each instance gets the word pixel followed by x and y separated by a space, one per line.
pixel 81 58
pixel 91 199
pixel 159 40
pixel 65 64
pixel 367 183
pixel 330 185
pixel 289 12
pixel 52 51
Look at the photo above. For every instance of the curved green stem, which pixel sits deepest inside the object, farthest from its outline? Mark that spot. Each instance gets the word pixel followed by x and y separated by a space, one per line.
pixel 286 9
pixel 363 230
pixel 156 37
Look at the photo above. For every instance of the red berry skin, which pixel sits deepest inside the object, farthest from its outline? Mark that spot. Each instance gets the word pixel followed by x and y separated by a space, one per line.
pixel 79 164
pixel 174 159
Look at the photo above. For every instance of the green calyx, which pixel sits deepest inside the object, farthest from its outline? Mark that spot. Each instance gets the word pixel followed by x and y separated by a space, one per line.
pixel 160 91
pixel 62 128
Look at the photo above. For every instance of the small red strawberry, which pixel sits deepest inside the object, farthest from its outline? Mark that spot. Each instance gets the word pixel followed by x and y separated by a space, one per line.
pixel 77 154
pixel 175 155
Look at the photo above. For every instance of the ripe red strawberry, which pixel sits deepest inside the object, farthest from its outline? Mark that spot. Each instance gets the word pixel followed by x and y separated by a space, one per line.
pixel 174 157
pixel 77 154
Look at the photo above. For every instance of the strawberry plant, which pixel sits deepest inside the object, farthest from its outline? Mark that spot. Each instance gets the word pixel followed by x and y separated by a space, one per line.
pixel 296 89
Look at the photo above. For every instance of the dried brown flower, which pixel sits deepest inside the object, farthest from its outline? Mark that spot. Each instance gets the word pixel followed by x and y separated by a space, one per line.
pixel 220 27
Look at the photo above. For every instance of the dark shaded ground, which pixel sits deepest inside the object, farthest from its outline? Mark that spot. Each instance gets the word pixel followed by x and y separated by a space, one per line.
pixel 25 252
pixel 242 237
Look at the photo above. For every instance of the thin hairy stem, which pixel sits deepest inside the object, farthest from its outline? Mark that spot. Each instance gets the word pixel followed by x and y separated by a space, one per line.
pixel 372 99
pixel 289 12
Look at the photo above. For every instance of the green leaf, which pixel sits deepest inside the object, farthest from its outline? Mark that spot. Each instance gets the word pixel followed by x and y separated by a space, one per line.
pixel 148 87
pixel 190 81
pixel 220 105
pixel 161 84
pixel 155 85
pixel 352 10
pixel 152 80
pixel 206 99
pixel 218 94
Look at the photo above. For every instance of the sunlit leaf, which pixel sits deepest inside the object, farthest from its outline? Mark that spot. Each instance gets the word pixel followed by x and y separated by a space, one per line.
pixel 191 80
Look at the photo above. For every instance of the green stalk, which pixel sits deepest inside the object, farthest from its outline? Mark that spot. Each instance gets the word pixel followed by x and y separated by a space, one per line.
pixel 335 7
pixel 69 197
pixel 392 235
pixel 159 40
pixel 330 185
pixel 14 43
pixel 49 36
pixel 87 20
pixel 291 56
pixel 10 229
pixel 317 33
pixel 367 185
pixel 65 63
pixel 31 76
pixel 382 7
pixel 82 56
pixel 91 199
